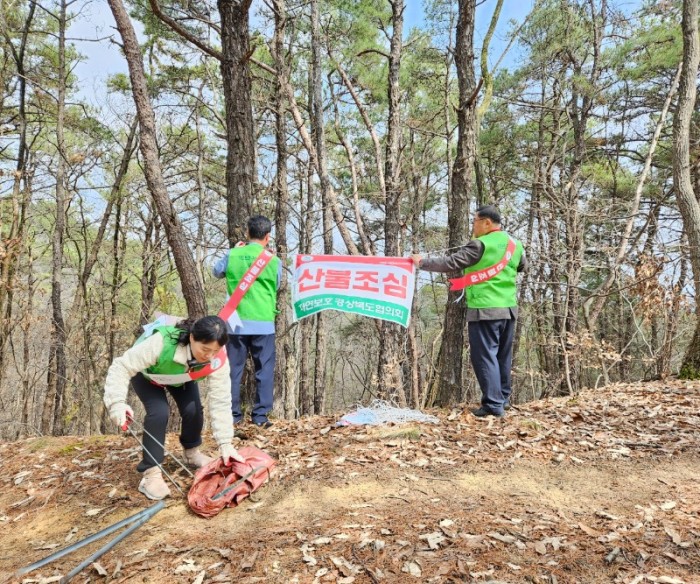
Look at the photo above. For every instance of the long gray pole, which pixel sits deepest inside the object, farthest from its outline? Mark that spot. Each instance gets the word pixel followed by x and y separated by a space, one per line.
pixel 148 513
pixel 109 545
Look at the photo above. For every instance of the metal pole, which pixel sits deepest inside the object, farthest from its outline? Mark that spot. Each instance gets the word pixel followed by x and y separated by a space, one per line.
pixel 160 466
pixel 83 542
pixel 109 545
pixel 238 482
pixel 167 452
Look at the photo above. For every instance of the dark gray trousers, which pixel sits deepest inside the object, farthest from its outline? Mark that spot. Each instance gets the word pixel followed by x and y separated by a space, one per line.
pixel 491 349
pixel 262 350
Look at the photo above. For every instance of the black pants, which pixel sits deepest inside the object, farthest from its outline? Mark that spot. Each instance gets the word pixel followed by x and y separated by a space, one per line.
pixel 155 401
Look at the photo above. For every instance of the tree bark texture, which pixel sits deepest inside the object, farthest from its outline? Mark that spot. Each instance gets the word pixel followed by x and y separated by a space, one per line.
pixel 285 371
pixel 390 375
pixel 317 128
pixel 687 198
pixel 115 192
pixel 191 286
pixel 52 420
pixel 150 261
pixel 448 380
pixel 240 134
pixel 11 243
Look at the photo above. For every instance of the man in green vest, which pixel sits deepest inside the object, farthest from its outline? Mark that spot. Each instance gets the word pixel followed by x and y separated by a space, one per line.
pixel 254 330
pixel 490 264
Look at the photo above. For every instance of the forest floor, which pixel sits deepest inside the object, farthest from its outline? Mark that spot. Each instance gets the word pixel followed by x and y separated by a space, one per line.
pixel 604 487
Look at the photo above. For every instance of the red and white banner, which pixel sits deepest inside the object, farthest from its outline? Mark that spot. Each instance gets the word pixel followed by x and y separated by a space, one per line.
pixel 378 287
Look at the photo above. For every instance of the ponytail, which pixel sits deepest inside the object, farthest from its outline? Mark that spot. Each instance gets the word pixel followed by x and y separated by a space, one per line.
pixel 185 327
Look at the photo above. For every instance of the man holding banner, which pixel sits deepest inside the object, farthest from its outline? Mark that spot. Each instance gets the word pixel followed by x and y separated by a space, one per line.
pixel 490 264
pixel 253 276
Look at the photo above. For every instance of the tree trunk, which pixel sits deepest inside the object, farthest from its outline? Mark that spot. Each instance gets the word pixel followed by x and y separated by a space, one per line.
pixel 448 379
pixel 527 243
pixel 116 279
pixel 192 288
pixel 201 193
pixel 306 325
pixel 27 393
pixel 13 241
pixel 81 291
pixel 367 243
pixel 673 315
pixel 687 200
pixel 378 158
pixel 285 372
pixel 417 204
pixel 150 263
pixel 320 142
pixel 54 406
pixel 240 136
pixel 313 157
pixel 390 374
pixel 599 296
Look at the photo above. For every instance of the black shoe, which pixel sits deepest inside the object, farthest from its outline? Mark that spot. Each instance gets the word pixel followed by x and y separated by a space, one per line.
pixel 506 405
pixel 264 425
pixel 482 413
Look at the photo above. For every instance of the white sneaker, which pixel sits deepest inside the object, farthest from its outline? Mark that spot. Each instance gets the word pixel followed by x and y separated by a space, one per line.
pixel 195 457
pixel 152 484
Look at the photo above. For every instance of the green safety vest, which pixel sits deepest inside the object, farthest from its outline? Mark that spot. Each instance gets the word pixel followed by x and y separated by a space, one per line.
pixel 165 364
pixel 499 291
pixel 260 301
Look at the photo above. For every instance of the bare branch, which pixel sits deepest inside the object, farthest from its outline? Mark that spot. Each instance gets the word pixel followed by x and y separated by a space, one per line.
pixel 183 32
pixel 382 53
pixel 263 66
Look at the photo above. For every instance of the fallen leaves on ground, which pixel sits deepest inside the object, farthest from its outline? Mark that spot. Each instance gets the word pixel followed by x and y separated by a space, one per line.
pixel 601 487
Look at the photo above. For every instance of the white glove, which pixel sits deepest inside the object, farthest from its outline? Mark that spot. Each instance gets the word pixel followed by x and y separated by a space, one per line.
pixel 121 414
pixel 229 453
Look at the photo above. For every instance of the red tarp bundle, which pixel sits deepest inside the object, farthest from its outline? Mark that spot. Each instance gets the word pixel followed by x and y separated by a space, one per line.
pixel 215 478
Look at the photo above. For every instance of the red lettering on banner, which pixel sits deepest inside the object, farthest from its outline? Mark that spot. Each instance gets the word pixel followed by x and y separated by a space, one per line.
pixel 315 279
pixel 338 279
pixel 394 287
pixel 365 280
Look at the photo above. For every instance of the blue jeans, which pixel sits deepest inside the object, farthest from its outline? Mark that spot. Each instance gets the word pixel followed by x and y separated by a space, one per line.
pixel 262 350
pixel 491 349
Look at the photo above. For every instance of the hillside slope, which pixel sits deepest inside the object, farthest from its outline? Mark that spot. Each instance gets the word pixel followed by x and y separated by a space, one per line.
pixel 600 488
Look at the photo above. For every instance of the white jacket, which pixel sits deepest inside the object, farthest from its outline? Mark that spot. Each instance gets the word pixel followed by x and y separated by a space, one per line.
pixel 142 356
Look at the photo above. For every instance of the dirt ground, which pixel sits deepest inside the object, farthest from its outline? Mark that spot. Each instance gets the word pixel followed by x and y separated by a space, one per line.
pixel 600 488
